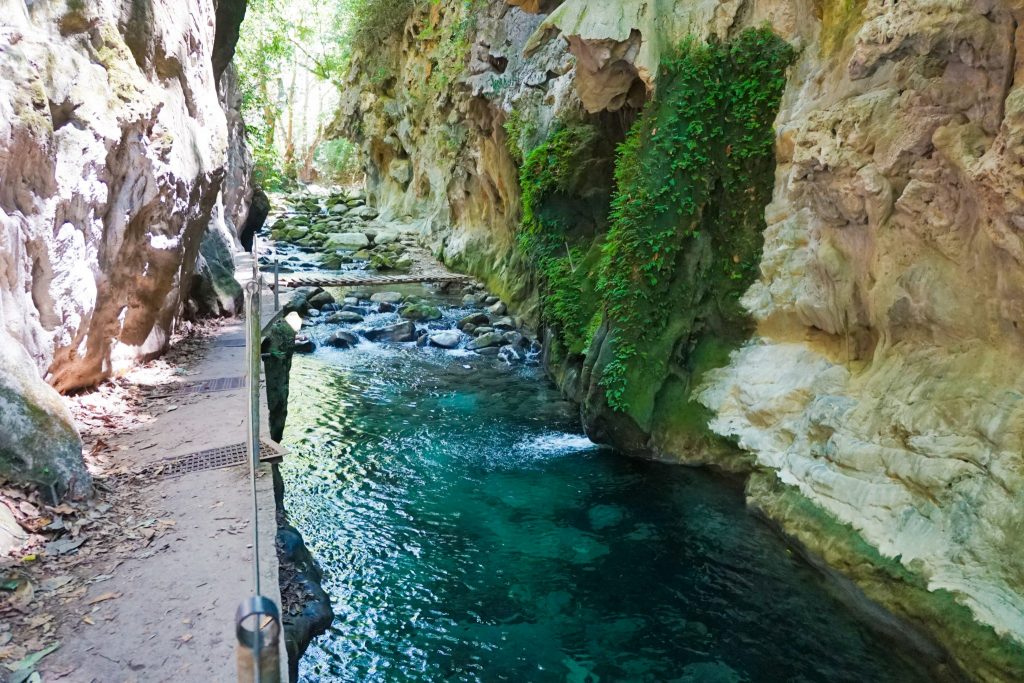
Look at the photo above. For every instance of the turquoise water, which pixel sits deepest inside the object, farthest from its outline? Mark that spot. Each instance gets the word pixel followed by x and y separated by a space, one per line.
pixel 469 532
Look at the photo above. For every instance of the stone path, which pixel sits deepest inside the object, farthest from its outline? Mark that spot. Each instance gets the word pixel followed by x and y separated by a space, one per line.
pixel 168 614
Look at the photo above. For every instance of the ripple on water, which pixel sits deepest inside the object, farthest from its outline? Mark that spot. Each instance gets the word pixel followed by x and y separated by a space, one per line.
pixel 469 532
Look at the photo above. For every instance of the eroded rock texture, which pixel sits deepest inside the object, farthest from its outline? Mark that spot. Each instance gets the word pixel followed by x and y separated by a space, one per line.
pixel 880 403
pixel 113 153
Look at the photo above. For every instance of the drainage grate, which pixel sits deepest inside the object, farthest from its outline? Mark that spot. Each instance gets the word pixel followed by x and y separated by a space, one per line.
pixel 238 343
pixel 212 459
pixel 211 385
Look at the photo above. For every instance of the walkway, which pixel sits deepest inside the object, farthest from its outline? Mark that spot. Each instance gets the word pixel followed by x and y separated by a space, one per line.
pixel 168 614
pixel 370 280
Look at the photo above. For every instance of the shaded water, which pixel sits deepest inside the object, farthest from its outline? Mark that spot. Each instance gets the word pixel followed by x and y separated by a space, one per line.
pixel 469 532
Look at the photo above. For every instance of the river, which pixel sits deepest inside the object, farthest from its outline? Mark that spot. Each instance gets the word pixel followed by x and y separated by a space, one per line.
pixel 469 531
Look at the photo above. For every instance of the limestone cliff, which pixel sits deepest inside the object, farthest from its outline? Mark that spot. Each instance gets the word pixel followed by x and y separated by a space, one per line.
pixel 877 399
pixel 114 152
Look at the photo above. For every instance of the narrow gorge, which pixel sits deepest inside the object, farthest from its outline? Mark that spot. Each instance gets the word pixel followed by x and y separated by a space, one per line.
pixel 699 357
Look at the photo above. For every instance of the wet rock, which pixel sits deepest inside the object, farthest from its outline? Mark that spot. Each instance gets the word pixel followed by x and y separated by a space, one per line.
pixel 446 339
pixel 505 323
pixel 330 308
pixel 386 308
pixel 363 254
pixel 342 340
pixel 475 319
pixel 387 298
pixel 346 240
pixel 350 300
pixel 469 300
pixel 321 299
pixel 498 308
pixel 402 332
pixel 421 311
pixel 468 328
pixel 346 317
pixel 483 329
pixel 314 313
pixel 490 300
pixel 304 344
pixel 516 339
pixel 358 294
pixel 361 310
pixel 511 354
pixel 486 340
pixel 489 351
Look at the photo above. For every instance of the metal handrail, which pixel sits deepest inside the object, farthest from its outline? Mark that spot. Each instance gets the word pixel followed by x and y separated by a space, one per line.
pixel 262 638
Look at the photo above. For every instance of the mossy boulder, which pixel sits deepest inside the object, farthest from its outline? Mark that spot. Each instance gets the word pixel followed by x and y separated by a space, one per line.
pixel 39 444
pixel 420 310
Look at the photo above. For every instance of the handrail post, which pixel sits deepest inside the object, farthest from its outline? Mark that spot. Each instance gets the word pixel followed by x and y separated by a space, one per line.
pixel 277 283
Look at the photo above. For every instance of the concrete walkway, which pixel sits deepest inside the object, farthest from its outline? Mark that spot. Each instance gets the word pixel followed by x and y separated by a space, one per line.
pixel 168 614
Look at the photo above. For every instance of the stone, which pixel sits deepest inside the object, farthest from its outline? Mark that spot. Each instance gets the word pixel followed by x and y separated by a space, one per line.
pixel 385 307
pixel 485 340
pixel 346 240
pixel 505 323
pixel 342 340
pixel 511 354
pixel 359 310
pixel 498 308
pixel 482 329
pixel 402 332
pixel 488 351
pixel 330 308
pixel 387 298
pixel 344 317
pixel 468 328
pixel 304 344
pixel 39 444
pixel 475 319
pixel 320 299
pixel 350 300
pixel 447 339
pixel 490 300
pixel 516 339
pixel 420 311
pixel 469 300
pixel 364 212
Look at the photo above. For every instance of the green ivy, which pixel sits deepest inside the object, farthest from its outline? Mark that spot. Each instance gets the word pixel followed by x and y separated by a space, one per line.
pixel 700 158
pixel 558 168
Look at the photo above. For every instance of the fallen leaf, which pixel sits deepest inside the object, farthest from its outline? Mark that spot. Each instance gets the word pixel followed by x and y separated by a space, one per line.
pixel 64 545
pixel 33 659
pixel 187 637
pixel 103 598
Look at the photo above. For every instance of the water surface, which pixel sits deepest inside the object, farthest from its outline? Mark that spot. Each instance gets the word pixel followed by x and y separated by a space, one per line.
pixel 469 532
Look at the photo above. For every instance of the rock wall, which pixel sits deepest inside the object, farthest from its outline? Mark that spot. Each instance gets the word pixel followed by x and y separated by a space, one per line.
pixel 114 150
pixel 879 405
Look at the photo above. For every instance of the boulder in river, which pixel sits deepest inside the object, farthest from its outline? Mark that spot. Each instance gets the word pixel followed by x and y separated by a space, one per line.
pixel 469 300
pixel 387 298
pixel 446 339
pixel 342 340
pixel 346 317
pixel 419 310
pixel 365 212
pixel 385 308
pixel 346 240
pixel 304 344
pixel 489 351
pixel 486 340
pixel 361 310
pixel 505 323
pixel 511 354
pixel 498 308
pixel 476 319
pixel 482 329
pixel 320 299
pixel 402 332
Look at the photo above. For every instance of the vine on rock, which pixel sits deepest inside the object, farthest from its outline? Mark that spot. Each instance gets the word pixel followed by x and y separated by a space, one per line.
pixel 703 148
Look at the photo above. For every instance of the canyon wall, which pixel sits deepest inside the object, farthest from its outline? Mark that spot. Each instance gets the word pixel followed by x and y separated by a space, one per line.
pixel 873 395
pixel 116 155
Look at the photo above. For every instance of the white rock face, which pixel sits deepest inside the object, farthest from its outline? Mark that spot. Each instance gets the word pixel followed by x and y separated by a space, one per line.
pixel 113 152
pixel 886 382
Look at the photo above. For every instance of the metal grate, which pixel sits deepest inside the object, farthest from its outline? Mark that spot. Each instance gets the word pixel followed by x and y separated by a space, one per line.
pixel 212 459
pixel 211 385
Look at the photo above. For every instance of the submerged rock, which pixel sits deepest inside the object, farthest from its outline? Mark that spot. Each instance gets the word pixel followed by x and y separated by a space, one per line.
pixel 402 332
